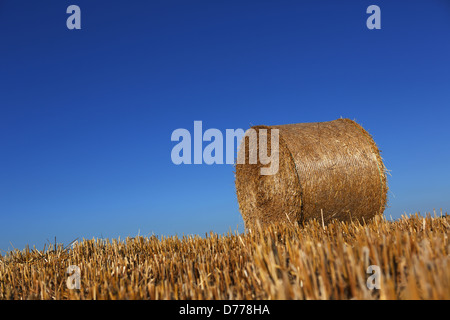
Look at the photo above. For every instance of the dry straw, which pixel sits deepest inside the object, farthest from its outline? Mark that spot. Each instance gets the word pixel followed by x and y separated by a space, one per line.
pixel 327 170
pixel 283 261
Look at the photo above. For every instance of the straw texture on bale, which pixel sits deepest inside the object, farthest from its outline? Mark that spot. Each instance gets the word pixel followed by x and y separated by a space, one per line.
pixel 327 170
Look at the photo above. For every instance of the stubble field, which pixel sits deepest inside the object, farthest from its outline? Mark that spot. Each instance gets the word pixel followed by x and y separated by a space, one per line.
pixel 381 259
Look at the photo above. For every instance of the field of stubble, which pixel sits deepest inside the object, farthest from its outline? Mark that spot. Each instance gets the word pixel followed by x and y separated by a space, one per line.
pixel 312 261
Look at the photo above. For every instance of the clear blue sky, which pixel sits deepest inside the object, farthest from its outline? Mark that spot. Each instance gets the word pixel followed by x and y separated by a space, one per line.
pixel 86 115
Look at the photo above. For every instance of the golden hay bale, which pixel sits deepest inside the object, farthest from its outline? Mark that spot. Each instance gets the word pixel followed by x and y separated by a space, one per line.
pixel 327 170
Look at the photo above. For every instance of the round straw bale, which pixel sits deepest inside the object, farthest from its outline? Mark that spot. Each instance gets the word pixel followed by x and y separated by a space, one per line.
pixel 326 170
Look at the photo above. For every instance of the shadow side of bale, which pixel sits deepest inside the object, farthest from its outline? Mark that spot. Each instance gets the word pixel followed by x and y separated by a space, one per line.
pixel 327 170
